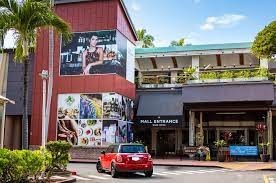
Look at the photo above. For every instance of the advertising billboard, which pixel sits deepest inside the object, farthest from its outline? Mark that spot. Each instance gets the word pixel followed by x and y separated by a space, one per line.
pixel 94 119
pixel 94 53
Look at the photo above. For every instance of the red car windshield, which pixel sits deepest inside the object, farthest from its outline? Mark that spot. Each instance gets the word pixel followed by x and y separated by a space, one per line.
pixel 132 149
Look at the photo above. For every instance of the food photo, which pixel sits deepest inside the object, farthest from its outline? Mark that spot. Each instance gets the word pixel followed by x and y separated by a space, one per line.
pixel 90 132
pixel 90 106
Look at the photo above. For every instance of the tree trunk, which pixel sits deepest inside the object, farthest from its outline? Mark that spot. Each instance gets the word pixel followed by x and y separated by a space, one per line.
pixel 25 122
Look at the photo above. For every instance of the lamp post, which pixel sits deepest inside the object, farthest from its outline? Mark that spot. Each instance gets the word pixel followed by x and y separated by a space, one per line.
pixel 44 75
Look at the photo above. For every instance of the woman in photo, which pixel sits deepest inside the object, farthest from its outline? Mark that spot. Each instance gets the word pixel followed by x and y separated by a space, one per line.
pixel 92 56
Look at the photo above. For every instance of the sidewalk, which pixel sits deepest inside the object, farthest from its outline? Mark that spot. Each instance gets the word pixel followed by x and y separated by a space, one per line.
pixel 228 165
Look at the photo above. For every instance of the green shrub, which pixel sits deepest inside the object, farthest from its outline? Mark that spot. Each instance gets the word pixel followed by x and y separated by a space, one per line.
pixel 20 165
pixel 208 75
pixel 27 166
pixel 226 75
pixel 189 72
pixel 261 72
pixel 59 152
pixel 242 74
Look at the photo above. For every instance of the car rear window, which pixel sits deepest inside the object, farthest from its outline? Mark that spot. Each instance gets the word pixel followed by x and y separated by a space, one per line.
pixel 132 149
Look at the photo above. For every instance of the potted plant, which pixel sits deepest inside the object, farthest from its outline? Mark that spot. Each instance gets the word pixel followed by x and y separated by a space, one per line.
pixel 219 144
pixel 261 128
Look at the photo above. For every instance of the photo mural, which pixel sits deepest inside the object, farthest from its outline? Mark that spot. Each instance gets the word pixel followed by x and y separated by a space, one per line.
pixel 98 52
pixel 94 119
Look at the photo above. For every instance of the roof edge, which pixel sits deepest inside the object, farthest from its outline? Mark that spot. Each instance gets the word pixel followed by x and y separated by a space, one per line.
pixel 199 47
pixel 129 19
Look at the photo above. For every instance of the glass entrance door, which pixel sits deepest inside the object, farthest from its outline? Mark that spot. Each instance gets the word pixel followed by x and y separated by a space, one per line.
pixel 165 142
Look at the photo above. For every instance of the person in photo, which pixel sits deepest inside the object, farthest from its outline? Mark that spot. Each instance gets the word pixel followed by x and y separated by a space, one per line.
pixel 92 56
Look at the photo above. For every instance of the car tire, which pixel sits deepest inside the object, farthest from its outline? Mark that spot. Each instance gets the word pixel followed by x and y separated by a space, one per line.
pixel 114 172
pixel 99 167
pixel 148 173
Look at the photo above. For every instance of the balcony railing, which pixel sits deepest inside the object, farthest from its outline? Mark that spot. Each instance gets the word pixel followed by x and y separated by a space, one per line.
pixel 221 76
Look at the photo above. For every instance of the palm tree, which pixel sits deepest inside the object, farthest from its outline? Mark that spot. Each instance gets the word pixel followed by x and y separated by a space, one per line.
pixel 180 42
pixel 145 39
pixel 26 18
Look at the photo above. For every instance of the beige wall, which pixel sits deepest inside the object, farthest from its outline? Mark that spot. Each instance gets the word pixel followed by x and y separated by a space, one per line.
pixel 230 59
pixel 207 59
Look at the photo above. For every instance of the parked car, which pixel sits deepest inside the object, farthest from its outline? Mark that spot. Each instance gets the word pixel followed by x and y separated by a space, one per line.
pixel 121 158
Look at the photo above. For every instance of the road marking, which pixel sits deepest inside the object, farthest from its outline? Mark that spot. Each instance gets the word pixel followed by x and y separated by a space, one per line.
pixel 185 172
pixel 171 173
pixel 80 178
pixel 159 174
pixel 97 177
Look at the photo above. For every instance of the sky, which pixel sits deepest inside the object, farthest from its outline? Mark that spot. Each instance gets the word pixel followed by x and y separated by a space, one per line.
pixel 198 21
pixel 201 21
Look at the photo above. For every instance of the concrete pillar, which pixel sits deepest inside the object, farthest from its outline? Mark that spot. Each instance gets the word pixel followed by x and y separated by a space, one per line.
pixel 218 134
pixel 264 63
pixel 195 64
pixel 140 78
pixel 246 136
pixel 179 139
pixel 153 139
pixel 201 127
pixel 173 77
pixel 191 128
pixel 270 133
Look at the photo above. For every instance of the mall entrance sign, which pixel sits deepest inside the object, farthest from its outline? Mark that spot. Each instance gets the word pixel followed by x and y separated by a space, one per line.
pixel 160 121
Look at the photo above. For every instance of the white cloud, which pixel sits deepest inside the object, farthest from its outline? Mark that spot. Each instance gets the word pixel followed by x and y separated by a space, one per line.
pixel 227 20
pixel 135 6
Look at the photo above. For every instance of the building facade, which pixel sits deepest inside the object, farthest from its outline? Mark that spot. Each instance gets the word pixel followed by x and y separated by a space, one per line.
pixel 93 88
pixel 196 94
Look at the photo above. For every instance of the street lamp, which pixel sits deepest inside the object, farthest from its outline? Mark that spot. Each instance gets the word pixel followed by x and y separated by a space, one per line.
pixel 44 75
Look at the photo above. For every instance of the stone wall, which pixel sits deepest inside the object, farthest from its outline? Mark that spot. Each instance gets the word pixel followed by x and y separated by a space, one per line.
pixel 86 153
pixel 81 153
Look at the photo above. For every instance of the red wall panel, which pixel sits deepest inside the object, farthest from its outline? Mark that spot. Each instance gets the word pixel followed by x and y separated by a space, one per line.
pixel 82 16
pixel 123 25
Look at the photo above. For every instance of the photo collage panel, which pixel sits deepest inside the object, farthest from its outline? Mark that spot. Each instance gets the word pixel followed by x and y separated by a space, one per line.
pixel 93 119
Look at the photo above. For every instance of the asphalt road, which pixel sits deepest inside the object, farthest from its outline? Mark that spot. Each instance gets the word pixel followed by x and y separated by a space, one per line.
pixel 171 174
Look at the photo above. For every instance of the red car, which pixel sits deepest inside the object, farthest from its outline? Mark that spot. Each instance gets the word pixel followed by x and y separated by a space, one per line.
pixel 119 158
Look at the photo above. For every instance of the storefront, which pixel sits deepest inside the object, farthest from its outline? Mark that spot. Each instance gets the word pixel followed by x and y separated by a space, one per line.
pixel 161 113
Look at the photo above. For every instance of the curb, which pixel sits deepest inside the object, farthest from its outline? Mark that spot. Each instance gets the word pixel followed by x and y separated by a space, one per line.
pixel 82 161
pixel 205 166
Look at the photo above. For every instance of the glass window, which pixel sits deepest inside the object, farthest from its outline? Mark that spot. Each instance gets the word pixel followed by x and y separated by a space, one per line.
pixel 132 149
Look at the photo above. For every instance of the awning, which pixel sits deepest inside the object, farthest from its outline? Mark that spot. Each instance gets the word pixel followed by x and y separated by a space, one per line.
pixel 228 92
pixel 160 109
pixel 5 100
